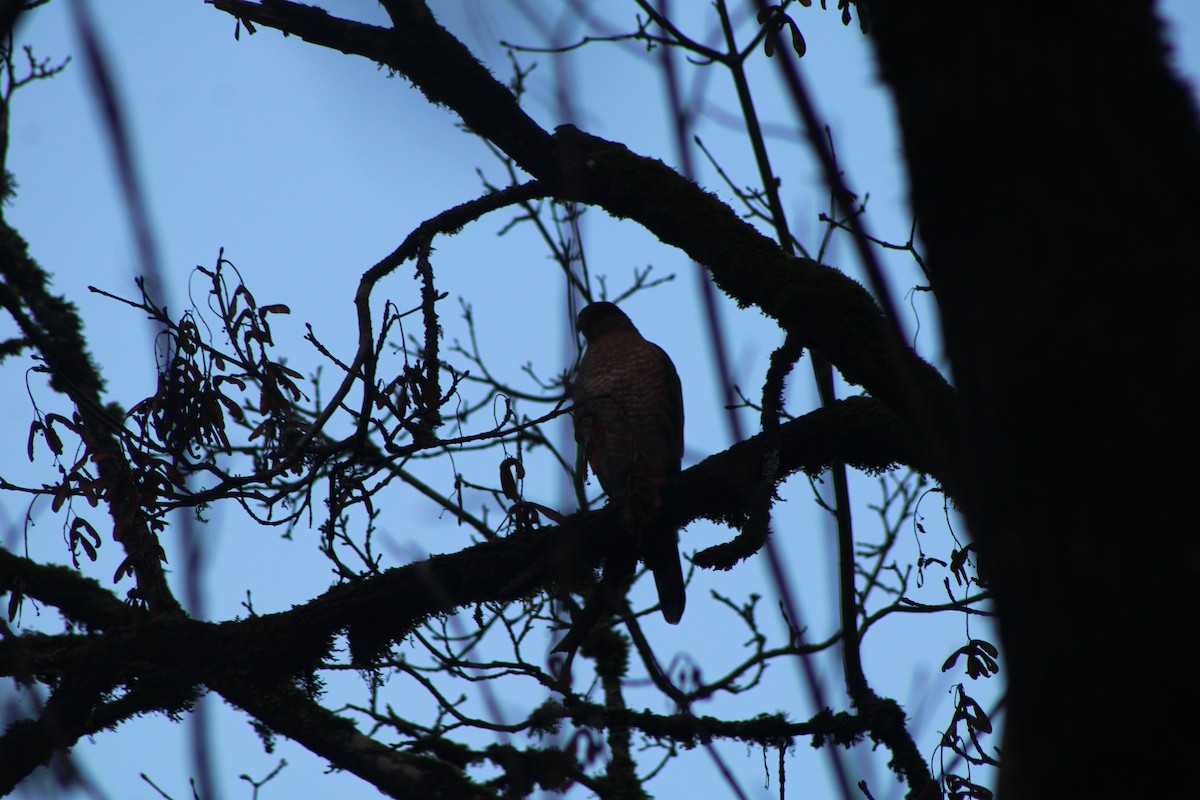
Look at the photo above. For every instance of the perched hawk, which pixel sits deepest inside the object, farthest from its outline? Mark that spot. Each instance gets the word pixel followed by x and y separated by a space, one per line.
pixel 629 423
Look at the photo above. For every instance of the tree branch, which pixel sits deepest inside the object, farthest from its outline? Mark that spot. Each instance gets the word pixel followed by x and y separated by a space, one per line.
pixel 382 609
pixel 286 710
pixel 81 600
pixel 52 325
pixel 830 312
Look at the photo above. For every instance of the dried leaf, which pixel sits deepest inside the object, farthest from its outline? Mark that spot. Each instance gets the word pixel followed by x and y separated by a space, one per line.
pixel 798 40
pixel 52 438
pixel 232 407
pixel 15 596
pixel 125 568
pixel 765 14
pixel 511 471
pixel 60 495
pixel 72 424
pixel 34 427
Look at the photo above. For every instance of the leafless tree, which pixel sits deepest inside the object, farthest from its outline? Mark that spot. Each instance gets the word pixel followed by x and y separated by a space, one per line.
pixel 1053 161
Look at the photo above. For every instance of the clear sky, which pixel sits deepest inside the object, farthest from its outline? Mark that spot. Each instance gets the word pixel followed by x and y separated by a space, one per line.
pixel 308 166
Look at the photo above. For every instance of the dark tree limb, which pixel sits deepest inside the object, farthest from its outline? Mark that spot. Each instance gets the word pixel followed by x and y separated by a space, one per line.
pixel 78 707
pixel 81 601
pixel 52 326
pixel 384 608
pixel 828 311
pixel 420 49
pixel 1054 161
pixel 288 711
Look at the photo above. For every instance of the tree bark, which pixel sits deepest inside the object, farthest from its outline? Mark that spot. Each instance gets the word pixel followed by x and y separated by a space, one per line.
pixel 1055 174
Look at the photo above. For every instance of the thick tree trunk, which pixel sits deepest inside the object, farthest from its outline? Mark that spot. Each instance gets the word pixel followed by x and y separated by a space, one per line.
pixel 1055 169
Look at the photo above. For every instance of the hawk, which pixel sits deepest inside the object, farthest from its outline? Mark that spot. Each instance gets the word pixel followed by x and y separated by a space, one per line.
pixel 629 424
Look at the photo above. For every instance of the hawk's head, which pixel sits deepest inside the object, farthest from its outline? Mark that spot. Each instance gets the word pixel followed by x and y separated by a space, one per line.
pixel 601 319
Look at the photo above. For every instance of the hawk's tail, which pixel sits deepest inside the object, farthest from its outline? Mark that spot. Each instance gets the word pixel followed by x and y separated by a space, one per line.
pixel 661 554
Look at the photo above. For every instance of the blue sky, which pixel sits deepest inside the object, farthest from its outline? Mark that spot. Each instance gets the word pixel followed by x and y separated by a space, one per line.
pixel 308 166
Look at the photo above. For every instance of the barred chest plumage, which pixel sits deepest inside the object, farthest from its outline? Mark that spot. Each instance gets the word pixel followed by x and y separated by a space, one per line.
pixel 627 394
